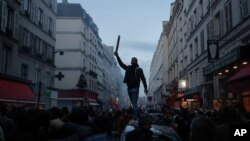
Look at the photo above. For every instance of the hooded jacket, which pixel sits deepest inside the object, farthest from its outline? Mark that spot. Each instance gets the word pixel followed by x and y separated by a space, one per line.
pixel 133 75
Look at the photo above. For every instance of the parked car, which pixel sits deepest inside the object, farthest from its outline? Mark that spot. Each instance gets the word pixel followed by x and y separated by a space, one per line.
pixel 160 128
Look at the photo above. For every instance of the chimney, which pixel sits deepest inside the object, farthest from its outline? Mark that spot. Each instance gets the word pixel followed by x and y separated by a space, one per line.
pixel 65 1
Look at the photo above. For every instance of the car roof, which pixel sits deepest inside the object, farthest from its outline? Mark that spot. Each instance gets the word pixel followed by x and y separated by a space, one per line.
pixel 158 130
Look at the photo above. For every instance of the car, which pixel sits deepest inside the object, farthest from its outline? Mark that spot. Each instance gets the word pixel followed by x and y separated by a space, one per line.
pixel 160 119
pixel 160 128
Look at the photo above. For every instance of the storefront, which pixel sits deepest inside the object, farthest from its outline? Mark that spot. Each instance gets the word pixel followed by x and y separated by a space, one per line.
pixel 240 84
pixel 16 93
pixel 230 77
pixel 76 98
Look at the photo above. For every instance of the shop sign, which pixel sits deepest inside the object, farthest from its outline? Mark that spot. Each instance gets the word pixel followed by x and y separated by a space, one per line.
pixel 224 61
pixel 213 50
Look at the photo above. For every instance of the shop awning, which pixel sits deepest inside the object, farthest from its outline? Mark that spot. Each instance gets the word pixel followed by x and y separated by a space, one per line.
pixel 240 81
pixel 243 74
pixel 15 91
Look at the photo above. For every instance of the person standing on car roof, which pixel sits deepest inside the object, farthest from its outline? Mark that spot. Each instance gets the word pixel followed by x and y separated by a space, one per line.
pixel 133 75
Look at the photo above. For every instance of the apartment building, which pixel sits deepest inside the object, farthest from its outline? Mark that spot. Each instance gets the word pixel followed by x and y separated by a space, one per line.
pixel 37 41
pixel 197 31
pixel 86 62
pixel 26 48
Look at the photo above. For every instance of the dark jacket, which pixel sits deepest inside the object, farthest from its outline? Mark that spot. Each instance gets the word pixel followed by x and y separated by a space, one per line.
pixel 133 75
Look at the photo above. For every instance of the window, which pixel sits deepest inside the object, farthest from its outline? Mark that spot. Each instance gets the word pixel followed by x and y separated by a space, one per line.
pixel 48 79
pixel 40 17
pixel 24 71
pixel 244 8
pixel 10 21
pixel 197 71
pixel 5 59
pixel 191 80
pixel 26 5
pixel 196 18
pixel 191 53
pixel 25 38
pixel 221 23
pixel 208 31
pixel 228 16
pixel 37 45
pixel 202 39
pixel 37 75
pixel 51 26
pixel 201 8
pixel 50 3
pixel 196 48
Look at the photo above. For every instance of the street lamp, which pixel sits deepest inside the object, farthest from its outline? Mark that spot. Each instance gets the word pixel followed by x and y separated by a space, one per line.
pixel 60 52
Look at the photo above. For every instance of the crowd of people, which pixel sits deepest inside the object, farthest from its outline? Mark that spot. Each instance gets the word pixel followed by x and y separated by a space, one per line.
pixel 58 124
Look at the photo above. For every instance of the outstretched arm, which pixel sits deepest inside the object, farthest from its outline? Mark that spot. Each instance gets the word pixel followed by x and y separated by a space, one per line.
pixel 120 61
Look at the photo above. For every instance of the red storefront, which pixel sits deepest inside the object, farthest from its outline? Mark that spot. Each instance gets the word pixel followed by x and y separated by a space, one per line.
pixel 16 92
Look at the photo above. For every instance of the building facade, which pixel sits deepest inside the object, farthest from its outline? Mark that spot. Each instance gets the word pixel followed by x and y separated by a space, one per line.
pixel 86 63
pixel 27 46
pixel 157 79
pixel 201 35
pixel 9 36
pixel 37 41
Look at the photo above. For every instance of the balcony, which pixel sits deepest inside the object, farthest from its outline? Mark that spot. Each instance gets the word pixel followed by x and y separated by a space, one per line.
pixel 183 72
pixel 27 14
pixel 9 31
pixel 26 49
pixel 49 60
pixel 39 55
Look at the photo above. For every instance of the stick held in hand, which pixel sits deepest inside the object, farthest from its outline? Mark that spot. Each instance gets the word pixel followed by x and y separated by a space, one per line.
pixel 117 44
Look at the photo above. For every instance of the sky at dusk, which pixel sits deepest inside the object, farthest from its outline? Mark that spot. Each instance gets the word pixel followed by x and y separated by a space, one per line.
pixel 138 22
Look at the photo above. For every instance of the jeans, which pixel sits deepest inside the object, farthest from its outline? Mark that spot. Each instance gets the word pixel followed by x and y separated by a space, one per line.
pixel 133 94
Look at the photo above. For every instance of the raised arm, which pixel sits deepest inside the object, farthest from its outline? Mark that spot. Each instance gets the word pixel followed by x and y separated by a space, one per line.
pixel 120 61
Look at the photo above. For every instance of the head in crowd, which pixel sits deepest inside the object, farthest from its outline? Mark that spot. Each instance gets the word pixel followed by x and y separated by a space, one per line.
pixel 202 129
pixel 145 121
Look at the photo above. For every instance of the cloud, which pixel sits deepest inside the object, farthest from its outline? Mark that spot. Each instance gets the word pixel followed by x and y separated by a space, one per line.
pixel 138 45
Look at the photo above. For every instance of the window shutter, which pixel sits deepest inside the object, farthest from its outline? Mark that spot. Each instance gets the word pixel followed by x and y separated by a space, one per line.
pixel 221 24
pixel 36 14
pixel 32 11
pixel 4 16
pixel 53 28
pixel 53 3
pixel 30 7
pixel 16 24
pixel 41 21
pixel 47 23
